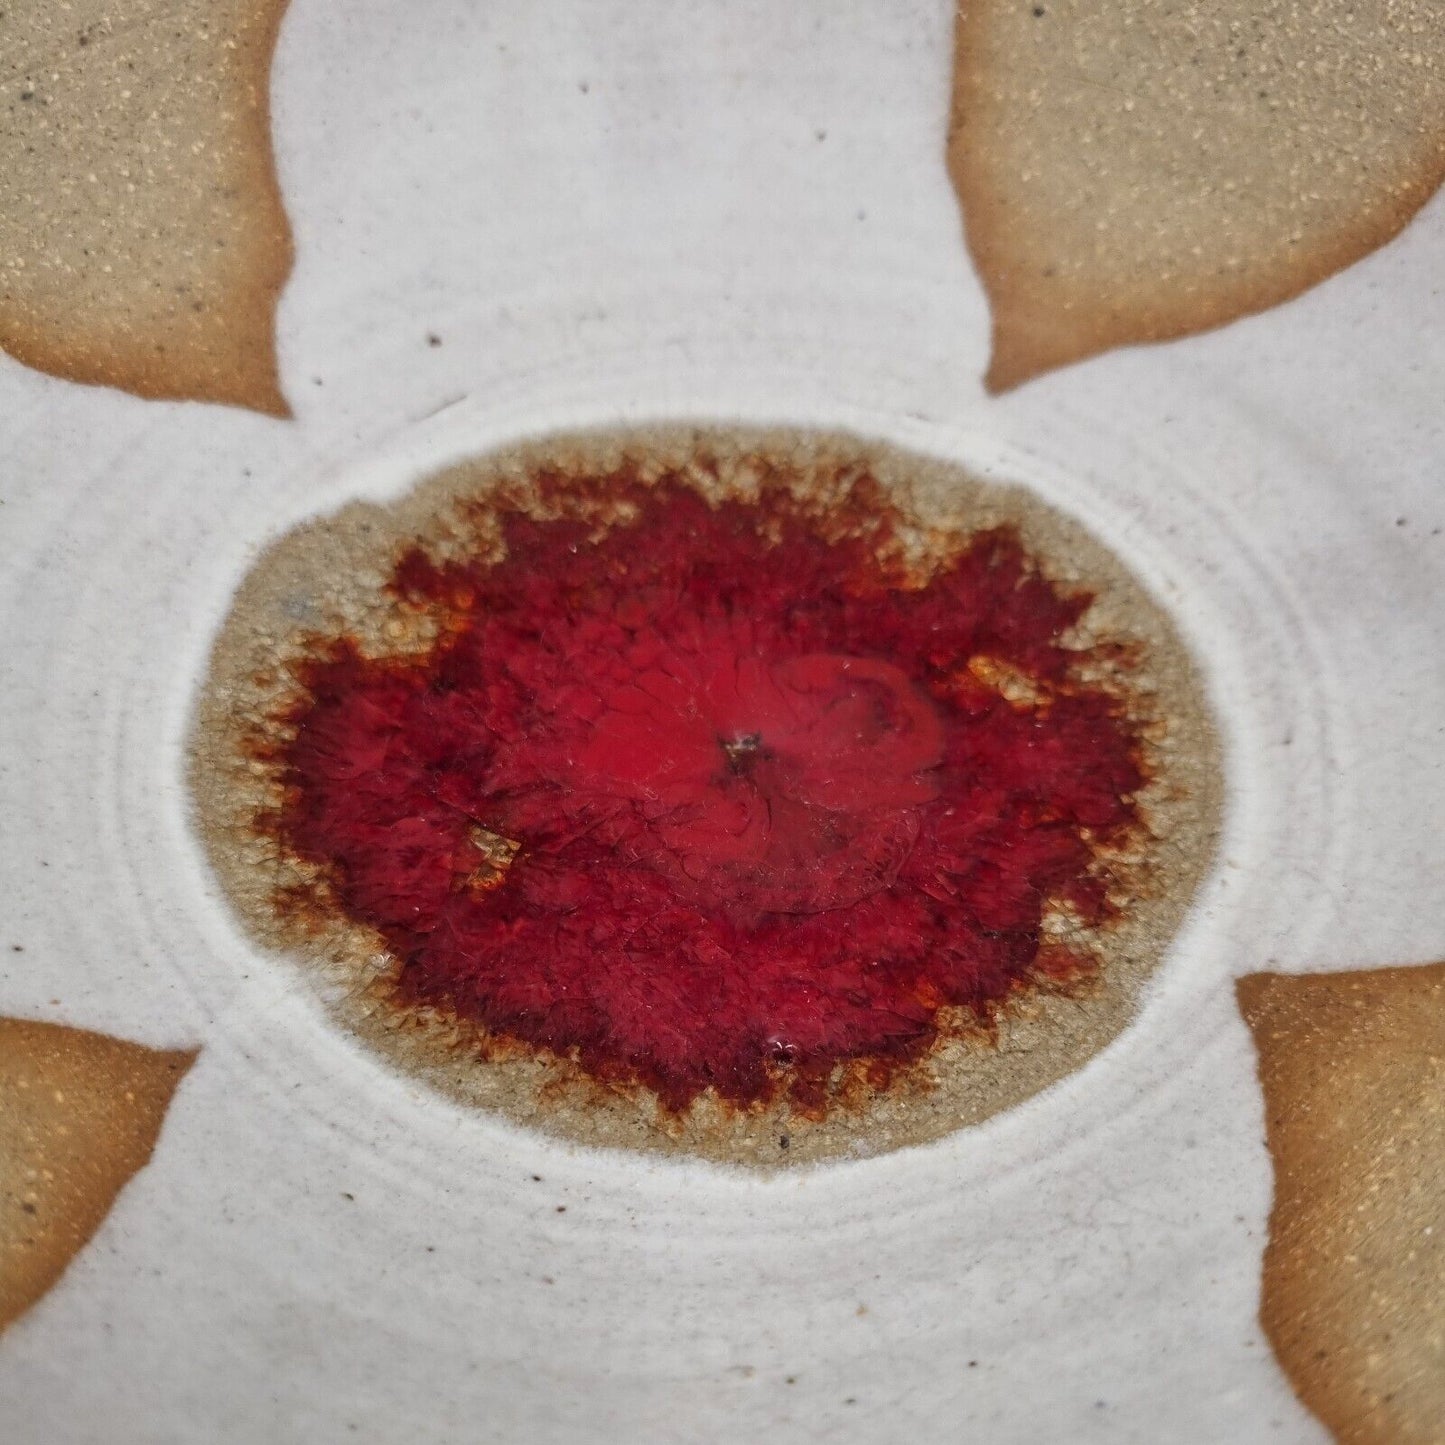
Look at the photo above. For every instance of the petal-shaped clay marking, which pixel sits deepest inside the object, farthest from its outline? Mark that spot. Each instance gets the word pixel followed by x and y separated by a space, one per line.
pixel 80 1113
pixel 143 244
pixel 1138 172
pixel 1353 1070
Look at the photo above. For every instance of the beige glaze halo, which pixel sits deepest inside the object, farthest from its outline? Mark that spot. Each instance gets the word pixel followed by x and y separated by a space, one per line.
pixel 327 575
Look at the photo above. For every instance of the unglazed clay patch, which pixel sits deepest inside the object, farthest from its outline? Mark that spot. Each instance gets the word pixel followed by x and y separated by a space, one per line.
pixel 1134 173
pixel 762 796
pixel 1353 1071
pixel 143 242
pixel 79 1115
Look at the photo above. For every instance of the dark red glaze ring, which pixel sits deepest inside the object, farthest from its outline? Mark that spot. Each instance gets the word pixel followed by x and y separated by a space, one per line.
pixel 715 795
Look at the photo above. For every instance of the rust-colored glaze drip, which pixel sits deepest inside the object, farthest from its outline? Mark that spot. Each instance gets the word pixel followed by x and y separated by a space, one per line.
pixel 713 797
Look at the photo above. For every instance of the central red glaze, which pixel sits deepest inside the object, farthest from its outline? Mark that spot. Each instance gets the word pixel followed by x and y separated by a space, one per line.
pixel 784 785
pixel 714 796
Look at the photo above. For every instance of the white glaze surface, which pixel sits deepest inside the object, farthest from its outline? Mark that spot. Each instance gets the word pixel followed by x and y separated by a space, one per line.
pixel 322 1251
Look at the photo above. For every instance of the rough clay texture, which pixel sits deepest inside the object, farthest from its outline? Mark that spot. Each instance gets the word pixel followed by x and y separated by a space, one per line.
pixel 1353 1070
pixel 1139 172
pixel 143 243
pixel 79 1115
pixel 328 575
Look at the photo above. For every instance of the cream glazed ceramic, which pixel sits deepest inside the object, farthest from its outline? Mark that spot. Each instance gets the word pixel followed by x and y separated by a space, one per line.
pixel 719 213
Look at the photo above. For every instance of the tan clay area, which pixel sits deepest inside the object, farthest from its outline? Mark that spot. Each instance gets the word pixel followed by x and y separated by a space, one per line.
pixel 328 576
pixel 143 243
pixel 1353 1070
pixel 79 1115
pixel 1137 172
